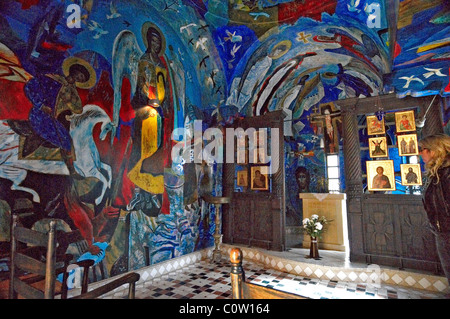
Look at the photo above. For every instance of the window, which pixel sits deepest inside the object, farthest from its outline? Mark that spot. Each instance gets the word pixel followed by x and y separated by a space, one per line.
pixel 414 159
pixel 333 173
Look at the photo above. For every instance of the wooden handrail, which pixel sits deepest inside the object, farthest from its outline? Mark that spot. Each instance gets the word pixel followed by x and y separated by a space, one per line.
pixel 130 278
pixel 244 290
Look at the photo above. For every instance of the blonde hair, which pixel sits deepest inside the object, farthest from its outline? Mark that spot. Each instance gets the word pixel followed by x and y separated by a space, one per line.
pixel 440 145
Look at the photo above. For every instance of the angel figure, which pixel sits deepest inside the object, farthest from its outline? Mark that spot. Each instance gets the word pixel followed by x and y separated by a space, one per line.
pixel 154 120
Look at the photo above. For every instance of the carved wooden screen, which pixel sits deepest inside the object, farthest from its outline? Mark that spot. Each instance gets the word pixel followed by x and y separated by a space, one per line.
pixel 256 216
pixel 386 228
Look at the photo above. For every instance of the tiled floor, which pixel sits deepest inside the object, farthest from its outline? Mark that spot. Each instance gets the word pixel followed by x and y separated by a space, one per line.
pixel 194 276
pixel 207 280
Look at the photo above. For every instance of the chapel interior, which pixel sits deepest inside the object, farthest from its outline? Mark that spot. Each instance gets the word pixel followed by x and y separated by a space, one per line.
pixel 163 137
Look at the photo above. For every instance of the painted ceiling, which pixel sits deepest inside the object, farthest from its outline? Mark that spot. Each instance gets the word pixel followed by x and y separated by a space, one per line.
pixel 248 56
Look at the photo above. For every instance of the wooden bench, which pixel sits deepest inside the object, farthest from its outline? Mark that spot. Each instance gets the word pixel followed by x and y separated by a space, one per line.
pixel 41 268
pixel 246 290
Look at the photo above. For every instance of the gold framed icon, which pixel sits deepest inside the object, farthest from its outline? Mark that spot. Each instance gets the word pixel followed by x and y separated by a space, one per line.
pixel 259 178
pixel 242 156
pixel 405 121
pixel 380 175
pixel 411 174
pixel 378 147
pixel 374 126
pixel 242 178
pixel 407 144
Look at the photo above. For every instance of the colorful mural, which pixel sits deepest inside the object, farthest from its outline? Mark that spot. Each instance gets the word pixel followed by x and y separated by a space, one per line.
pixel 421 60
pixel 92 90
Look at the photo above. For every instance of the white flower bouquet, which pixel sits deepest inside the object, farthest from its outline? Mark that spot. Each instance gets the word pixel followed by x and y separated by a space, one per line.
pixel 315 225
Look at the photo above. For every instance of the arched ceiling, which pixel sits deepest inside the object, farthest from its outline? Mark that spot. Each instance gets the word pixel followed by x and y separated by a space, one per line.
pixel 259 55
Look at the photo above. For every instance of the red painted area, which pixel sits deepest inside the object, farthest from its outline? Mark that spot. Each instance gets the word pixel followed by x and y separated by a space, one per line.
pixel 447 88
pixel 397 49
pixel 56 46
pixel 290 12
pixel 14 104
pixel 26 4
pixel 103 95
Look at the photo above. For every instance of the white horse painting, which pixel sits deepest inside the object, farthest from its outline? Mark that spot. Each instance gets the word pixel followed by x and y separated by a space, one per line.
pixel 87 163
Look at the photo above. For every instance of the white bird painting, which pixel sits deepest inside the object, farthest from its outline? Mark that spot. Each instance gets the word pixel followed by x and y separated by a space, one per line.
pixel 201 43
pixel 256 15
pixel 187 28
pixel 97 28
pixel 409 79
pixel 431 72
pixel 353 6
pixel 230 63
pixel 232 37
pixel 114 14
pixel 221 43
pixel 234 50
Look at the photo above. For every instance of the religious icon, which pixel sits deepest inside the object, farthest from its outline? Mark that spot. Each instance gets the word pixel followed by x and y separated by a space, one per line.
pixel 260 146
pixel 259 155
pixel 411 174
pixel 378 147
pixel 326 121
pixel 241 140
pixel 242 178
pixel 51 139
pixel 405 121
pixel 260 137
pixel 242 155
pixel 259 178
pixel 374 126
pixel 153 123
pixel 380 175
pixel 303 179
pixel 407 145
pixel 242 151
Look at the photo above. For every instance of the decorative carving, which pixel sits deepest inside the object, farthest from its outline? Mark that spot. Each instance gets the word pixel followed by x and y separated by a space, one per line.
pixel 242 220
pixel 393 228
pixel 416 236
pixel 258 217
pixel 263 227
pixel 380 232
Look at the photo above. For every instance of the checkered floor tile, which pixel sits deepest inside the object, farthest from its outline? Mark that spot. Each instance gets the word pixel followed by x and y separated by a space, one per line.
pixel 207 280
